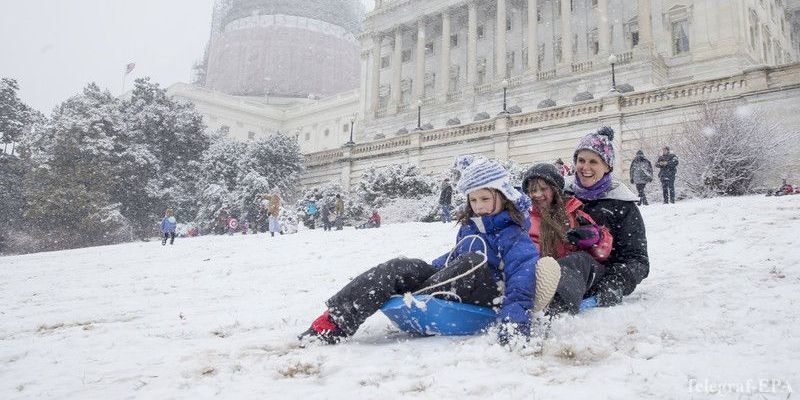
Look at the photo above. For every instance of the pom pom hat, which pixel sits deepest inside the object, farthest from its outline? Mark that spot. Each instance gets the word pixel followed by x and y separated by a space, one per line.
pixel 598 142
pixel 479 173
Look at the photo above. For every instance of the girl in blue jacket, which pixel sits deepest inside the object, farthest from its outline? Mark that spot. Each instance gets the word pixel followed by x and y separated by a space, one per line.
pixel 168 225
pixel 493 263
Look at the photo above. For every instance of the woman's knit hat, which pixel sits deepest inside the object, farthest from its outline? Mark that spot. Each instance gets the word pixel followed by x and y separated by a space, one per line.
pixel 598 142
pixel 546 172
pixel 479 173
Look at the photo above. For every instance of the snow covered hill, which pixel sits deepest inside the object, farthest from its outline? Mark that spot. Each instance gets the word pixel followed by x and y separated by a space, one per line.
pixel 216 317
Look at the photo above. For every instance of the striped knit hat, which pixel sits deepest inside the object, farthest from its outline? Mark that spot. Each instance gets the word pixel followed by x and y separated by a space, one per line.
pixel 479 173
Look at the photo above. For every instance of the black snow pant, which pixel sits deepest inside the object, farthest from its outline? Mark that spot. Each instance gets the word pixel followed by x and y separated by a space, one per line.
pixel 365 294
pixel 642 194
pixel 578 272
pixel 668 187
pixel 170 236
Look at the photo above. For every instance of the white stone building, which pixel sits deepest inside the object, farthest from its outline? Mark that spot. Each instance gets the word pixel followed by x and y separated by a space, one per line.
pixel 451 57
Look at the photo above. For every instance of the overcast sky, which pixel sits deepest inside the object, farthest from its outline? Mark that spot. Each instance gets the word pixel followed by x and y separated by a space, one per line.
pixel 53 48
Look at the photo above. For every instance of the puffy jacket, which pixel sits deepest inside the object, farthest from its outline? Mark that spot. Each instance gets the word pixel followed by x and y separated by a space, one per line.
pixel 669 167
pixel 641 169
pixel 511 258
pixel 628 264
pixel 168 224
pixel 599 252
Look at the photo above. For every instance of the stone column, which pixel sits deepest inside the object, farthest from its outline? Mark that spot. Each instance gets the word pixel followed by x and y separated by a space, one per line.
pixel 419 76
pixel 645 26
pixel 397 68
pixel 472 44
pixel 500 41
pixel 375 84
pixel 444 63
pixel 533 31
pixel 603 31
pixel 566 35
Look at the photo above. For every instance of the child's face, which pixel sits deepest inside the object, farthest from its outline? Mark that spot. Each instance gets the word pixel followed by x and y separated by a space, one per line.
pixel 541 194
pixel 485 202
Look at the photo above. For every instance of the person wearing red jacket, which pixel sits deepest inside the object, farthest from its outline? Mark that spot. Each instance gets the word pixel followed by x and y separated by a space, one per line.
pixel 561 230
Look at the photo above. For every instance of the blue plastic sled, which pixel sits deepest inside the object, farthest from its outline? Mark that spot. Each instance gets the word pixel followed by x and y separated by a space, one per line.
pixel 439 317
pixel 445 318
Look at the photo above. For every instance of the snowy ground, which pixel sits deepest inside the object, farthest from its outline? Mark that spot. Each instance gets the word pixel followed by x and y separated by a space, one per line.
pixel 216 317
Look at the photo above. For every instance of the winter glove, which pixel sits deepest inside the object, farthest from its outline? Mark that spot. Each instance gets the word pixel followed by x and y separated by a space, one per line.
pixel 585 235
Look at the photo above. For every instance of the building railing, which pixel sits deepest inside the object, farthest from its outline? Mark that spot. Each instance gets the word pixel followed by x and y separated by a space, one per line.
pixel 384 145
pixel 557 113
pixel 545 75
pixel 685 91
pixel 444 134
pixel 582 66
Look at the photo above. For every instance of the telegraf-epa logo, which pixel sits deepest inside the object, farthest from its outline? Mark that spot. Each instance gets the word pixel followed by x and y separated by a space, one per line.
pixel 747 387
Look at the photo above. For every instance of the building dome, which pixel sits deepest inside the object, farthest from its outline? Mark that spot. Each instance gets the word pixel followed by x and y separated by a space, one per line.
pixel 284 48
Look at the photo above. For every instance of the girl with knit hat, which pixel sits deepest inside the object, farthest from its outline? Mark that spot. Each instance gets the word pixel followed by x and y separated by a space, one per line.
pixel 613 205
pixel 562 231
pixel 494 263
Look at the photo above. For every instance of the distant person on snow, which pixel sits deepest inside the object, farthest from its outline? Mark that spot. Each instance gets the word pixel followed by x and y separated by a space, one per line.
pixel 494 232
pixel 641 174
pixel 274 210
pixel 668 165
pixel 373 222
pixel 168 225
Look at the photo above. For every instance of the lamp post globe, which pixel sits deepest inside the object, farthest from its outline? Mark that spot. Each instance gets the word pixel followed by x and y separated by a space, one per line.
pixel 613 59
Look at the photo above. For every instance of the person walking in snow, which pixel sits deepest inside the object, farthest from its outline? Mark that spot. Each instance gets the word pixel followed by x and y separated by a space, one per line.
pixel 221 225
pixel 311 212
pixel 446 200
pixel 168 225
pixel 493 263
pixel 565 235
pixel 613 205
pixel 274 211
pixel 668 165
pixel 641 174
pixel 339 212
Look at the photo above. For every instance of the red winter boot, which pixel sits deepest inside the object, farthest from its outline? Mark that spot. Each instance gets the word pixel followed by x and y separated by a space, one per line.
pixel 324 329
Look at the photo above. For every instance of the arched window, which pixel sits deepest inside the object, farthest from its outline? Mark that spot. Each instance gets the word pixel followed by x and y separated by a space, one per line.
pixel 679 17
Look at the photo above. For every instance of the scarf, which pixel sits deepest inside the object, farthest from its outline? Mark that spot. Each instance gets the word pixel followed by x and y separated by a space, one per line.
pixel 593 192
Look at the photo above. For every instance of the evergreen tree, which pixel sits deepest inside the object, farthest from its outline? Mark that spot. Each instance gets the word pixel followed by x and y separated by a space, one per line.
pixel 15 116
pixel 160 155
pixel 67 191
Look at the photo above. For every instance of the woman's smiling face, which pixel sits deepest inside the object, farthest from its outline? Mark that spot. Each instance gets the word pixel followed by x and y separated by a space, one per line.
pixel 590 168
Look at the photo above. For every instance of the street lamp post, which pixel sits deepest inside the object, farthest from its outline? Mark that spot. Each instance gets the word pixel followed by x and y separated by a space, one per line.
pixel 612 59
pixel 419 114
pixel 504 83
pixel 352 122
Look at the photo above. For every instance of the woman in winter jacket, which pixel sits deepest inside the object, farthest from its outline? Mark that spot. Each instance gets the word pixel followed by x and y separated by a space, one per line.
pixel 613 205
pixel 493 262
pixel 641 175
pixel 561 230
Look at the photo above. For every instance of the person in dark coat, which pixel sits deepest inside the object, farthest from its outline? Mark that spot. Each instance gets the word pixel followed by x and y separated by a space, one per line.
pixel 641 175
pixel 446 200
pixel 493 264
pixel 611 204
pixel 668 165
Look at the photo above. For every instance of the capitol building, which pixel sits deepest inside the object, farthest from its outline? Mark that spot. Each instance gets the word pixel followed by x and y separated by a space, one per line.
pixel 423 81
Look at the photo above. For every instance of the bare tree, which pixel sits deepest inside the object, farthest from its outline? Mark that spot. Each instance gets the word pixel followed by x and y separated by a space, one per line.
pixel 730 150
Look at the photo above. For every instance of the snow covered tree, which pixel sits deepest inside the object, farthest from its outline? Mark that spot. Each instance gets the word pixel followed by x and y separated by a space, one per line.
pixel 12 202
pixel 67 191
pixel 164 141
pixel 729 151
pixel 379 184
pixel 15 115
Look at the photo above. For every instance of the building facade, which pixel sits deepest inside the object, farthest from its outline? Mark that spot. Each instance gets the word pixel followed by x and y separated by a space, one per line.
pixel 283 48
pixel 447 61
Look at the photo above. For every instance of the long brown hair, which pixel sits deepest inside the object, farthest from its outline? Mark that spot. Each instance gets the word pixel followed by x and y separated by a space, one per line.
pixel 516 216
pixel 553 223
